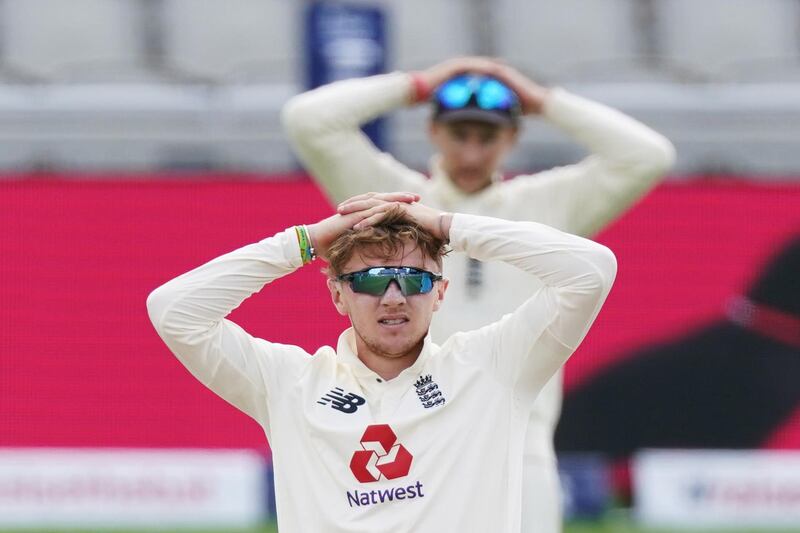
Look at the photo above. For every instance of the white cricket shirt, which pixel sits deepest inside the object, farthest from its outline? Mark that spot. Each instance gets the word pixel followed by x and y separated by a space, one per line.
pixel 627 159
pixel 439 447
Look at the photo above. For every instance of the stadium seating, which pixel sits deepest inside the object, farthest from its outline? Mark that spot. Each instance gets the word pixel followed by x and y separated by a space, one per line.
pixel 116 81
pixel 413 49
pixel 576 40
pixel 233 40
pixel 727 40
pixel 54 40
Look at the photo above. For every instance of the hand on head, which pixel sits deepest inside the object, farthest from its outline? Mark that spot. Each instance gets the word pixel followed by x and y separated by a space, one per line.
pixel 530 93
pixel 368 209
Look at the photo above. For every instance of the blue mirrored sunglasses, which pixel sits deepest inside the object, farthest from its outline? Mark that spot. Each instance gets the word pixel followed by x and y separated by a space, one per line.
pixel 375 280
pixel 485 92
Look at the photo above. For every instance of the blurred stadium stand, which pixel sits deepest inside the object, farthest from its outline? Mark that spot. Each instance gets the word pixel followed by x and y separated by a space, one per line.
pixel 162 84
pixel 54 41
pixel 413 48
pixel 731 40
pixel 605 42
pixel 231 41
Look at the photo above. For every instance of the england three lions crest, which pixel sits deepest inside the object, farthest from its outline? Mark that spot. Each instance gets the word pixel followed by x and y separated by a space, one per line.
pixel 428 392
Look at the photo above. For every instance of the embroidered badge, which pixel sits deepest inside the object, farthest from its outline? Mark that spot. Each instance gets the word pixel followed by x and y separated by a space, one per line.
pixel 428 392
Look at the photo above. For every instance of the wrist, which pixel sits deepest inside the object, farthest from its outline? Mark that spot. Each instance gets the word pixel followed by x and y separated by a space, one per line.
pixel 445 221
pixel 314 251
pixel 537 99
pixel 421 88
pixel 307 252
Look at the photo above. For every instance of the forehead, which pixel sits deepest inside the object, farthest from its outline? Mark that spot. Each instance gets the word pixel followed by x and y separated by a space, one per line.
pixel 410 256
pixel 473 126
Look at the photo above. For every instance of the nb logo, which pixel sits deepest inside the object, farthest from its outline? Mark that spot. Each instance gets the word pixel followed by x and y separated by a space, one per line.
pixel 382 456
pixel 341 401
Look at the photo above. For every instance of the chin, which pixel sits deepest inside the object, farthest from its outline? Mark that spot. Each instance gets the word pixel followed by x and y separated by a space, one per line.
pixel 472 184
pixel 399 348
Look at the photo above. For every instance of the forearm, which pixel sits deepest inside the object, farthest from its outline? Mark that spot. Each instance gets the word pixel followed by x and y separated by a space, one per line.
pixel 187 306
pixel 346 104
pixel 188 314
pixel 323 127
pixel 609 133
pixel 576 273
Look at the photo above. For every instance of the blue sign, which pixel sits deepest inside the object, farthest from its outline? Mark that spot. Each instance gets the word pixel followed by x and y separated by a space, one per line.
pixel 345 41
pixel 585 486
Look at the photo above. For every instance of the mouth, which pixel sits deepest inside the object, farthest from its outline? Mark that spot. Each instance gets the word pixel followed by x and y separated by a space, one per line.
pixel 469 174
pixel 393 321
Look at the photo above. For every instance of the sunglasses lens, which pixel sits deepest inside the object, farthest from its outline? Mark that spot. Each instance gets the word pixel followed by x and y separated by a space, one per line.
pixel 416 283
pixel 490 94
pixel 369 283
pixel 494 95
pixel 455 93
pixel 375 281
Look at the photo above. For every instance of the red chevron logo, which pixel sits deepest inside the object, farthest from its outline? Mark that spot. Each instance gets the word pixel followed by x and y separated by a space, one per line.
pixel 381 456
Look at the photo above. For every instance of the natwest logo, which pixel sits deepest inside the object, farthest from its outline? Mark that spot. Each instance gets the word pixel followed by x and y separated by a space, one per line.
pixel 382 456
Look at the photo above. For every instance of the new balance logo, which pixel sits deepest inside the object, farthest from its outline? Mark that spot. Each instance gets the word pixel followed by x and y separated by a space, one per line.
pixel 428 392
pixel 346 403
pixel 382 456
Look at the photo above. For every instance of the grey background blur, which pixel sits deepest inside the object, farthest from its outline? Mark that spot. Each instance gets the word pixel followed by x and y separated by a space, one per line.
pixel 145 85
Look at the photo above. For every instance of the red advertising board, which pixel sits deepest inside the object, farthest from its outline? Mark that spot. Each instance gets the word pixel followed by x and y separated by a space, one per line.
pixel 80 364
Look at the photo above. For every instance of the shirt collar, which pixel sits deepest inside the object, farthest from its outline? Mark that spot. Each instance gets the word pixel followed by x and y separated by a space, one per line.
pixel 346 354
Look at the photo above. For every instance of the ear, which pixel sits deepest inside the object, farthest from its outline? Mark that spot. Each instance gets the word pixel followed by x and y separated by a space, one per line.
pixel 441 288
pixel 434 132
pixel 337 297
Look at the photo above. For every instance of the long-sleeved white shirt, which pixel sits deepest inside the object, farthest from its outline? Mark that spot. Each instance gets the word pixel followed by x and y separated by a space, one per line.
pixel 439 447
pixel 627 159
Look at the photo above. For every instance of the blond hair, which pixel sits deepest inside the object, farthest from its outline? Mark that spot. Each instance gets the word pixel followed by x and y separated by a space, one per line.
pixel 388 237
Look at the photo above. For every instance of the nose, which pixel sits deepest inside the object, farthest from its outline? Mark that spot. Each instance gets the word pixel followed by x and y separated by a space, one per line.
pixel 471 152
pixel 393 294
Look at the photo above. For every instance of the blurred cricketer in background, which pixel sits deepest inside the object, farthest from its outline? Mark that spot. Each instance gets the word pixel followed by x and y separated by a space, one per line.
pixel 477 105
pixel 390 432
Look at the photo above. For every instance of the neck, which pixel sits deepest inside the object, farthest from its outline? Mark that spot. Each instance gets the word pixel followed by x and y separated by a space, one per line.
pixel 472 188
pixel 387 366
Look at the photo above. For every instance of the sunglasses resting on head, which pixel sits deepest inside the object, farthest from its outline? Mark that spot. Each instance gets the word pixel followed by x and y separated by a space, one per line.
pixel 476 96
pixel 375 280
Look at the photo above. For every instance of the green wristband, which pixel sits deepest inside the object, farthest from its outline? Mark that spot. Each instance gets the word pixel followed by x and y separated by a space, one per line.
pixel 304 242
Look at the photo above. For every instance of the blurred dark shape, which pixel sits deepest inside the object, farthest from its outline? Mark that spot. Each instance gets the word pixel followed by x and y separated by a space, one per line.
pixel 779 285
pixel 730 384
